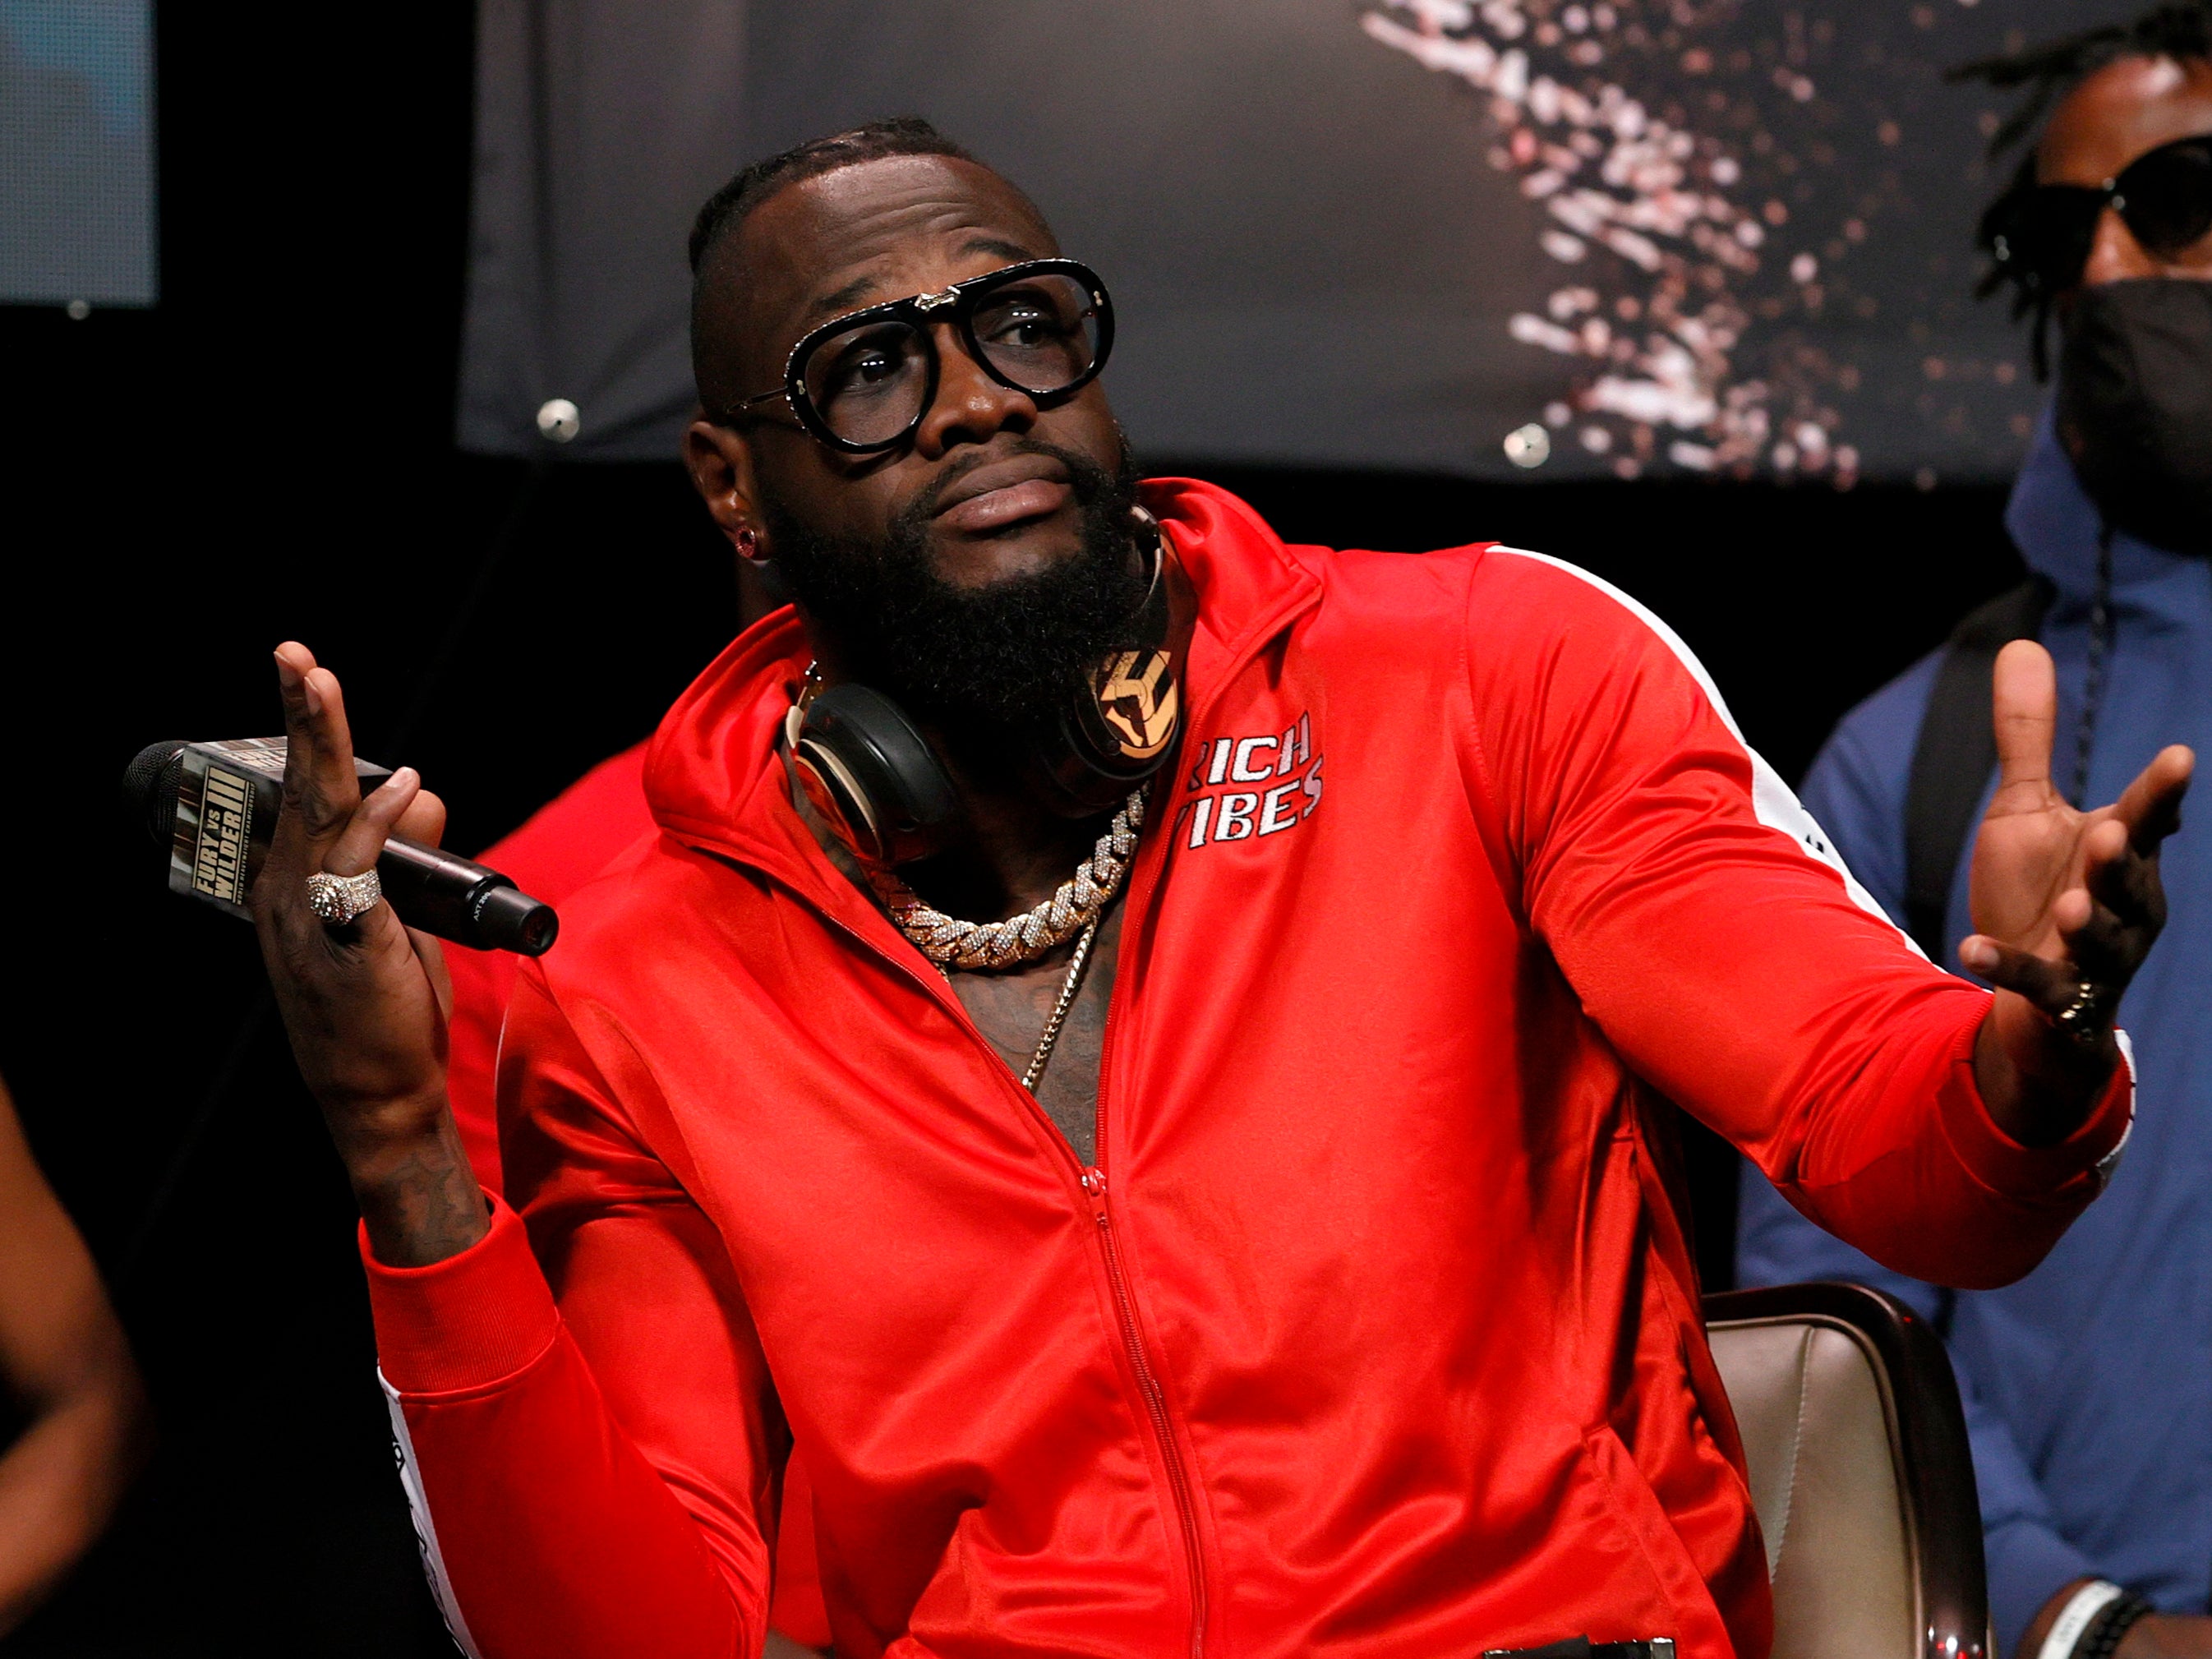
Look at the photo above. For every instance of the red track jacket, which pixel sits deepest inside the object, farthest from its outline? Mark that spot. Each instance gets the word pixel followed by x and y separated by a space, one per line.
pixel 1373 1332
pixel 563 846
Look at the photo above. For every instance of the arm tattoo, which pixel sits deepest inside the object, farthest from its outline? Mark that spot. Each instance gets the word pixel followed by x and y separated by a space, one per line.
pixel 426 1205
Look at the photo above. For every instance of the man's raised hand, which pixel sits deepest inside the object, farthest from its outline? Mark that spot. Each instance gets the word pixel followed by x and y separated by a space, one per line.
pixel 2066 904
pixel 364 1003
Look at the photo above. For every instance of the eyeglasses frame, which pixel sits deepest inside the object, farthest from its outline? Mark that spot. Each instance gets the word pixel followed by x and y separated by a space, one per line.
pixel 923 310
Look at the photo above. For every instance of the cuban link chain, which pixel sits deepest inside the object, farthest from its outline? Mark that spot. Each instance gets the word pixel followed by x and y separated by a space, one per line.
pixel 1078 903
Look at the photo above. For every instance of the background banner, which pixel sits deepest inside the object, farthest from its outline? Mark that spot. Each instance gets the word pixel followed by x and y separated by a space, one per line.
pixel 1547 238
pixel 76 153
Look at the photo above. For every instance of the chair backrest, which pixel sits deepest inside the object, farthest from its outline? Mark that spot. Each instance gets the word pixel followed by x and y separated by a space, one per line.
pixel 1860 1472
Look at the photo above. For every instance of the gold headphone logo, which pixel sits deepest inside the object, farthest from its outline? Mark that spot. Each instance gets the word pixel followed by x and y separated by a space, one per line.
pixel 1139 703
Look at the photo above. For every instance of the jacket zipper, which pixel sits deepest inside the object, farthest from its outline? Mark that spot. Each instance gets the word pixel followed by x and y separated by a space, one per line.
pixel 1093 1183
pixel 1155 1404
pixel 1125 1302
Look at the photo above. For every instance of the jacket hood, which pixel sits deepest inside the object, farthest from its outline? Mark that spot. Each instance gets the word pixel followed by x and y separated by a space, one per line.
pixel 2057 527
pixel 712 777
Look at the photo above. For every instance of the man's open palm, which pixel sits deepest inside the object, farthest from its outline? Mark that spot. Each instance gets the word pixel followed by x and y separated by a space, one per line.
pixel 2061 898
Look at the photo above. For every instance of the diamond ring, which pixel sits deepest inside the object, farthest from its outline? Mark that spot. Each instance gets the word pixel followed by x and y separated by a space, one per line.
pixel 338 899
pixel 2086 1019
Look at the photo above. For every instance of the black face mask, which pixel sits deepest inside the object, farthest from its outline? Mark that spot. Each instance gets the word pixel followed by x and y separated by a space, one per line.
pixel 2135 407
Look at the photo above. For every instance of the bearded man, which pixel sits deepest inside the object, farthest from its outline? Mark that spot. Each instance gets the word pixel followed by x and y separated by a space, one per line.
pixel 1141 1053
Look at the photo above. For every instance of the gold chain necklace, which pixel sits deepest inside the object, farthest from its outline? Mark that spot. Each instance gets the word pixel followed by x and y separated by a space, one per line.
pixel 952 943
pixel 1073 909
pixel 1068 987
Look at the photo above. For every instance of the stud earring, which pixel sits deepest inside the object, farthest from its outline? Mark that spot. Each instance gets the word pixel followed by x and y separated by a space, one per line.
pixel 749 543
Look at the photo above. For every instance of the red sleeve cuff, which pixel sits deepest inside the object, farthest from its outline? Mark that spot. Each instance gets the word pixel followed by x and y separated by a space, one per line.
pixel 2035 1173
pixel 471 1320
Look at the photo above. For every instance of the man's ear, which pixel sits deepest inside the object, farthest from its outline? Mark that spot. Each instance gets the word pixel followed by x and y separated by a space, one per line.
pixel 720 462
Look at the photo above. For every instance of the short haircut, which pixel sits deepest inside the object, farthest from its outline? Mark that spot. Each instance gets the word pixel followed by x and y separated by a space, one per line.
pixel 727 209
pixel 2048 72
pixel 896 135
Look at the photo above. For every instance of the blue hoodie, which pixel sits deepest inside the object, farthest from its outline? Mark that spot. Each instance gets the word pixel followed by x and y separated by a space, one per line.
pixel 2089 1384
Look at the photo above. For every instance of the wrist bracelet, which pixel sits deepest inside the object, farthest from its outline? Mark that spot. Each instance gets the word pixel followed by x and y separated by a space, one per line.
pixel 2073 1621
pixel 2112 1623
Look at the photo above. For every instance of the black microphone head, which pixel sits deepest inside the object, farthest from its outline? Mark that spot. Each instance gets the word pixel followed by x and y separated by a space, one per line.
pixel 508 919
pixel 150 786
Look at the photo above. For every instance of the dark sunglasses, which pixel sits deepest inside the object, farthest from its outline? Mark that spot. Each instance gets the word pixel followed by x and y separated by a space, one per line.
pixel 861 382
pixel 2041 235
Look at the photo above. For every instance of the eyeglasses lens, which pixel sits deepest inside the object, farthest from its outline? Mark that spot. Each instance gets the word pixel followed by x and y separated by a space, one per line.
pixel 2168 197
pixel 1041 332
pixel 868 384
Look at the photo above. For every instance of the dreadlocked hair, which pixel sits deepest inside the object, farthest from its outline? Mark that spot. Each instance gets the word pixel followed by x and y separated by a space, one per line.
pixel 2054 69
pixel 2048 72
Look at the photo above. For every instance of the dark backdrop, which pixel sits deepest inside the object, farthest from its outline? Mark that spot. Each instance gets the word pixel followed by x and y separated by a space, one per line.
pixel 268 455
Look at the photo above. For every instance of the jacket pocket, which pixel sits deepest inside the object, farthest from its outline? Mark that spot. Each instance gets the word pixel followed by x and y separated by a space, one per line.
pixel 1680 1597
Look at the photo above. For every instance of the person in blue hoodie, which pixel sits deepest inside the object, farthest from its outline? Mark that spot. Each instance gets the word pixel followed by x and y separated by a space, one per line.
pixel 2087 1386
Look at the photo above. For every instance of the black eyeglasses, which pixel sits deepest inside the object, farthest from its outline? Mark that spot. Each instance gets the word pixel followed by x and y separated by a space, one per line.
pixel 860 383
pixel 2041 235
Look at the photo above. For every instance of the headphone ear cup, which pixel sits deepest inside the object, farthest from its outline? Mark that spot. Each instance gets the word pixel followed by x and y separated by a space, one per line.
pixel 1123 721
pixel 866 769
pixel 1121 724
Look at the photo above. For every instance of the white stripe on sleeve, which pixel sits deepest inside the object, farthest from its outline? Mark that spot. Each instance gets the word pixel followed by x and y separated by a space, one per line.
pixel 1773 800
pixel 425 1530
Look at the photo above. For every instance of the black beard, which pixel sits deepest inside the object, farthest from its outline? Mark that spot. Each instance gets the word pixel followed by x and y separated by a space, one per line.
pixel 990 667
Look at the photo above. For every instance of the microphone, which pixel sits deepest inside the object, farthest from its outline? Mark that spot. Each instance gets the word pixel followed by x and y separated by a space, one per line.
pixel 213 805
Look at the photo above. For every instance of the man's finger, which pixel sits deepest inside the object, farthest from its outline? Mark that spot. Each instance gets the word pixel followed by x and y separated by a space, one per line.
pixel 356 847
pixel 2121 876
pixel 334 774
pixel 2024 706
pixel 2103 943
pixel 424 820
pixel 2120 885
pixel 320 785
pixel 2151 806
pixel 293 663
pixel 2048 985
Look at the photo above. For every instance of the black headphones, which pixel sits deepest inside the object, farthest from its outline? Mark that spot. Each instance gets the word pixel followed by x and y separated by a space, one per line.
pixel 882 789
